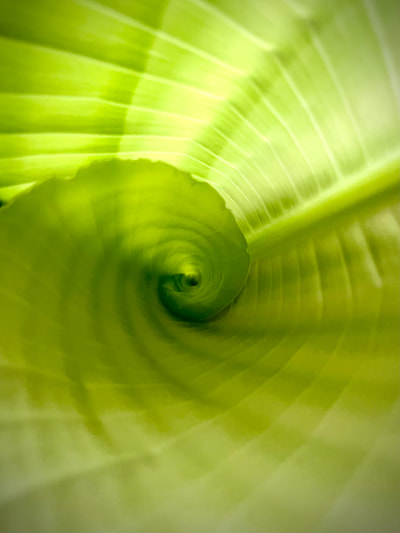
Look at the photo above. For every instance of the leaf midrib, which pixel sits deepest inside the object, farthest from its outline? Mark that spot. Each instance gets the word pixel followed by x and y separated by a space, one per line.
pixel 365 188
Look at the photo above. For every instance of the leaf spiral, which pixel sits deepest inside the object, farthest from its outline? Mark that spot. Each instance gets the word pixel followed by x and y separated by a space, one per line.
pixel 174 235
pixel 129 400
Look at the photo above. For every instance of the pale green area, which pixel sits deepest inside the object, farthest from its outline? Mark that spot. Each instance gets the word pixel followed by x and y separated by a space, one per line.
pixel 280 415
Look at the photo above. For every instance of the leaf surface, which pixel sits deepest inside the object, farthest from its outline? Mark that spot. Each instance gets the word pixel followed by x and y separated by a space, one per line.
pixel 280 414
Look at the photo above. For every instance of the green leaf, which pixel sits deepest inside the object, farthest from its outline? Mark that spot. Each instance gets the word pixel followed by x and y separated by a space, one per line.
pixel 154 375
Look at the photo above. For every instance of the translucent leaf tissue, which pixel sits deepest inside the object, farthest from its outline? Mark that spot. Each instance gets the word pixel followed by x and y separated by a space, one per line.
pixel 199 266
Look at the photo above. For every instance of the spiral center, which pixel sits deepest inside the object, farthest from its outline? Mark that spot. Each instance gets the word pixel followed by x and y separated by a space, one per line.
pixel 186 282
pixel 191 279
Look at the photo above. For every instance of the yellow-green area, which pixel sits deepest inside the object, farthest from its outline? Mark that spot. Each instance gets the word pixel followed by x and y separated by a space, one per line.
pixel 199 266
